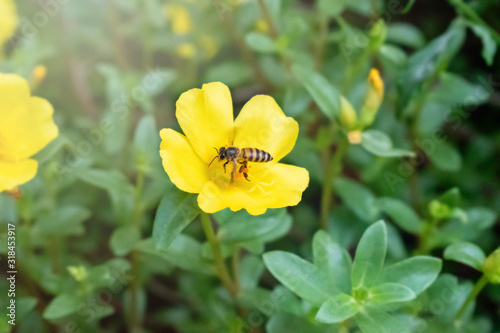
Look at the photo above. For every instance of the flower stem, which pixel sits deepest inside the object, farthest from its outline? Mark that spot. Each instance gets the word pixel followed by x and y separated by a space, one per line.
pixel 333 168
pixel 267 16
pixel 480 284
pixel 220 265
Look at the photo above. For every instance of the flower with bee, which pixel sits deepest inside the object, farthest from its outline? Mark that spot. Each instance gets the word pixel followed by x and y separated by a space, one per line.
pixel 243 171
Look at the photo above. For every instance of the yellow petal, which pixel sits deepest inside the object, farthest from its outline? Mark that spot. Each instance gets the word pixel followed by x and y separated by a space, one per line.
pixel 261 124
pixel 8 20
pixel 277 186
pixel 13 91
pixel 185 169
pixel 214 197
pixel 13 174
pixel 27 129
pixel 206 117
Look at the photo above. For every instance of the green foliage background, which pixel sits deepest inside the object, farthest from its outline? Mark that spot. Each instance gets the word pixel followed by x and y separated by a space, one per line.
pixel 106 243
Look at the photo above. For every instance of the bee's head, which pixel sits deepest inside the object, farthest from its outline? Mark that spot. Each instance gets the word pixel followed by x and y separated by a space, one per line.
pixel 222 153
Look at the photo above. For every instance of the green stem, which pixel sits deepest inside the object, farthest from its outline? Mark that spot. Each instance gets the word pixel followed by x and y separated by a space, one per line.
pixel 333 168
pixel 220 265
pixel 320 49
pixel 235 265
pixel 269 19
pixel 480 284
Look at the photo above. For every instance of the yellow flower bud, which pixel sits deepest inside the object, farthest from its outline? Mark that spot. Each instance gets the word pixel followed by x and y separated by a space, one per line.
pixel 348 117
pixel 261 26
pixel 179 16
pixel 373 98
pixel 39 74
pixel 354 137
pixel 186 50
pixel 79 273
pixel 8 20
pixel 491 267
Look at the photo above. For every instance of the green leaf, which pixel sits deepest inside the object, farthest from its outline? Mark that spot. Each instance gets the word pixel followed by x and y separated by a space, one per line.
pixel 184 252
pixel 326 96
pixel 260 43
pixel 370 255
pixel 405 34
pixel 333 260
pixel 245 227
pixel 146 143
pixel 453 90
pixel 358 198
pixel 396 56
pixel 24 305
pixel 285 322
pixel 373 320
pixel 232 72
pixel 451 197
pixel 489 43
pixel 251 268
pixel 65 221
pixel 416 273
pixel 176 210
pixel 390 292
pixel 118 187
pixel 337 309
pixel 380 144
pixel 63 305
pixel 402 214
pixel 298 275
pixel 124 239
pixel 444 156
pixel 427 62
pixel 332 8
pixel 466 253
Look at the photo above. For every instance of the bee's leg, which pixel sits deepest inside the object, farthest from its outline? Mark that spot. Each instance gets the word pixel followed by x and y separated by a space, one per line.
pixel 244 170
pixel 246 176
pixel 225 166
pixel 233 173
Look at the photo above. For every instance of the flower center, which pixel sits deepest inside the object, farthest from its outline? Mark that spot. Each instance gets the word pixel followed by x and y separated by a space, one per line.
pixel 222 177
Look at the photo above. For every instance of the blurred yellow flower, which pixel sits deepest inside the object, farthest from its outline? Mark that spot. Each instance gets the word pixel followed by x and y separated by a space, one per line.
pixel 179 16
pixel 206 117
pixel 261 26
pixel 186 50
pixel 209 45
pixel 26 126
pixel 8 20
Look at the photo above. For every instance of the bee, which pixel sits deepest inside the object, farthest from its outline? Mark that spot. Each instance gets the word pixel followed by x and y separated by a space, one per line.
pixel 243 156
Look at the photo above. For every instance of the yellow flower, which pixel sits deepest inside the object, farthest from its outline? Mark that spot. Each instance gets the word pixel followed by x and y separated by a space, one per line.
pixel 206 117
pixel 26 126
pixel 8 20
pixel 373 98
pixel 181 21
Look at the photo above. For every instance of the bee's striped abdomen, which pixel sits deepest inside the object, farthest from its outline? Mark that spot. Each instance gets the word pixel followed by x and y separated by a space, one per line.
pixel 256 155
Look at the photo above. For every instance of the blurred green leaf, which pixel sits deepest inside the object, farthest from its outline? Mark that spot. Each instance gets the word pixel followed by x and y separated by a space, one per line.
pixel 370 256
pixel 489 43
pixel 245 227
pixel 427 62
pixel 298 275
pixel 123 240
pixel 358 198
pixel 401 213
pixel 337 309
pixel 118 187
pixel 451 197
pixel 416 273
pixel 445 157
pixel 147 142
pixel 333 260
pixel 380 144
pixel 232 72
pixel 466 253
pixel 331 8
pixel 390 292
pixel 251 268
pixel 176 210
pixel 65 221
pixel 284 322
pixel 405 34
pixel 260 43
pixel 371 319
pixel 326 96
pixel 63 305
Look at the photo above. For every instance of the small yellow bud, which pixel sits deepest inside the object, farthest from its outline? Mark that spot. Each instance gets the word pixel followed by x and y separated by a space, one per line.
pixel 186 50
pixel 354 137
pixel 491 267
pixel 79 273
pixel 348 117
pixel 39 74
pixel 210 45
pixel 373 98
pixel 261 26
pixel 179 16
